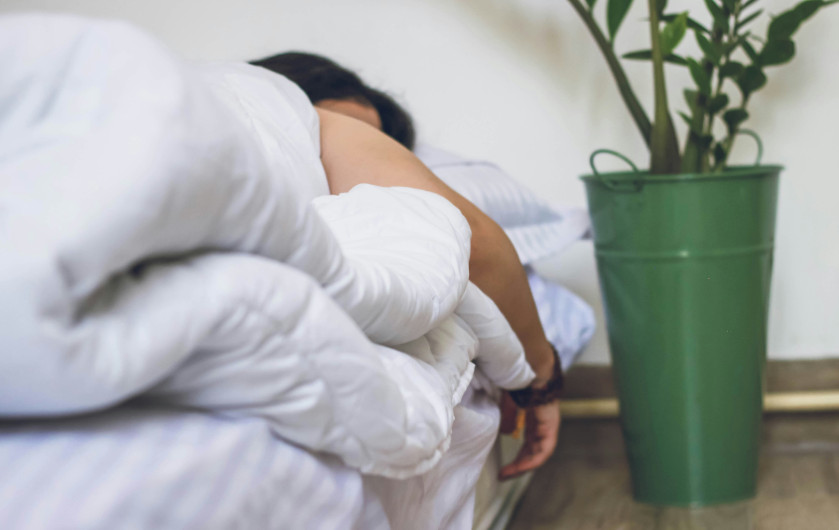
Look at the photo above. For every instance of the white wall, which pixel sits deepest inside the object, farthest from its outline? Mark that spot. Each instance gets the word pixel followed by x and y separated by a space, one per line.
pixel 521 83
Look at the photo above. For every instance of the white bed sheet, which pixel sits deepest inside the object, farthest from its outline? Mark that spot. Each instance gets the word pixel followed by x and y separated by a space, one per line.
pixel 141 467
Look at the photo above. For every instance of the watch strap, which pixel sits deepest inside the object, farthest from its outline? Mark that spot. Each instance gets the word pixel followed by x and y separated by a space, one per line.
pixel 530 397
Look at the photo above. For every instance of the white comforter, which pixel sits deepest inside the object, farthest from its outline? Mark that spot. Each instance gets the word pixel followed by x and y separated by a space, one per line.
pixel 165 231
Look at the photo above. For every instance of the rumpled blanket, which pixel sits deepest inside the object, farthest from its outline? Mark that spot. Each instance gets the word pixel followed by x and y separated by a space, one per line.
pixel 166 233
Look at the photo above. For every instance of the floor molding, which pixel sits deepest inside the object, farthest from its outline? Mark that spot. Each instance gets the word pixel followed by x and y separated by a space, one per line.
pixel 792 386
pixel 589 381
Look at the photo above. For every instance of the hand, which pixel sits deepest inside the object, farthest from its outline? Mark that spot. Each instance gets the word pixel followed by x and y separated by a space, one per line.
pixel 509 414
pixel 540 436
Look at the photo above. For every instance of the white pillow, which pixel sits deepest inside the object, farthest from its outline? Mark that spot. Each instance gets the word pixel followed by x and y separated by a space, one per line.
pixel 536 228
pixel 568 321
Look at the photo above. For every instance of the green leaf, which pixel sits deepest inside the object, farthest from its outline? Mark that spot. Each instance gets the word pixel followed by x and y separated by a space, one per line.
pixel 808 8
pixel 660 6
pixel 777 52
pixel 646 55
pixel 702 140
pixel 694 130
pixel 733 118
pixel 752 78
pixel 747 5
pixel 689 121
pixel 720 154
pixel 673 33
pixel 692 23
pixel 718 102
pixel 711 51
pixel 731 69
pixel 692 98
pixel 743 23
pixel 750 51
pixel 700 76
pixel 728 47
pixel 719 16
pixel 729 5
pixel 616 11
pixel 590 4
pixel 787 23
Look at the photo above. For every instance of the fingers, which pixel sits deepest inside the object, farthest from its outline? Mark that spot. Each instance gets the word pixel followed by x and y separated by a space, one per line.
pixel 529 458
pixel 540 441
pixel 534 453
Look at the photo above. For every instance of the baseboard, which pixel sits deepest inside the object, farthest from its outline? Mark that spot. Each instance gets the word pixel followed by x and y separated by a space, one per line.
pixel 596 382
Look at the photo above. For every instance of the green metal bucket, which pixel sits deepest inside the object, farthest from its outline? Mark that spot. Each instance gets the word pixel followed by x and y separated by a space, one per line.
pixel 685 264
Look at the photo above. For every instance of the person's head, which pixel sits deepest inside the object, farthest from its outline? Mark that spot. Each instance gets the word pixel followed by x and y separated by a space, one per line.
pixel 333 87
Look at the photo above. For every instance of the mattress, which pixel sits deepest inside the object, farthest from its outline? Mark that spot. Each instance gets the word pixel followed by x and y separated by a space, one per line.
pixel 496 501
pixel 140 466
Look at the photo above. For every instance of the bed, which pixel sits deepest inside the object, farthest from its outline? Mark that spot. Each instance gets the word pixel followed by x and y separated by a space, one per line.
pixel 145 467
pixel 195 334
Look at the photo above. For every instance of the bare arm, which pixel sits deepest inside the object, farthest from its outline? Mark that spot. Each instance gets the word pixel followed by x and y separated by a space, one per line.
pixel 354 152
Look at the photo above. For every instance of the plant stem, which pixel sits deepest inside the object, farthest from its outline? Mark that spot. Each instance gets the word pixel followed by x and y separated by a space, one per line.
pixel 705 149
pixel 664 146
pixel 629 98
pixel 692 157
pixel 728 142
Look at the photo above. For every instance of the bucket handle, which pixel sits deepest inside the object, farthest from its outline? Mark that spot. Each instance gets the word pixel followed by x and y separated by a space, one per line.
pixel 612 185
pixel 749 132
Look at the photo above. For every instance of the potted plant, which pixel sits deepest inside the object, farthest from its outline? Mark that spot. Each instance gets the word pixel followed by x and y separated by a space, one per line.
pixel 684 253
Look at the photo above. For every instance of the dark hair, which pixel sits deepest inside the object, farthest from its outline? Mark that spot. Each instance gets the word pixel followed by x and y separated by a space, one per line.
pixel 321 78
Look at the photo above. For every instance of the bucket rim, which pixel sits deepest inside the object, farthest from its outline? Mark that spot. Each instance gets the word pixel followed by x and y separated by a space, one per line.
pixel 730 173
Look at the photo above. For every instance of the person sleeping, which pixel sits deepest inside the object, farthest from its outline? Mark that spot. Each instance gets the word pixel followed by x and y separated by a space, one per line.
pixel 366 137
pixel 135 189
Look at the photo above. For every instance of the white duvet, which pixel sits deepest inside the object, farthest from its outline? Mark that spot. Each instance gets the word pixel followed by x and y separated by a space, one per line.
pixel 165 232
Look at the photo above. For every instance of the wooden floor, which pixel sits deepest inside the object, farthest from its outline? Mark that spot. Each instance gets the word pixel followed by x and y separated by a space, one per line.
pixel 585 486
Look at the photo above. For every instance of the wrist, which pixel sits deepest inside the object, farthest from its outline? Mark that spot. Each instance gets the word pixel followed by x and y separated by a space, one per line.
pixel 548 392
pixel 544 368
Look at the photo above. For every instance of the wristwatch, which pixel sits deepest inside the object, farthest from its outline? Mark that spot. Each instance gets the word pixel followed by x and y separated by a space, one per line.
pixel 530 397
